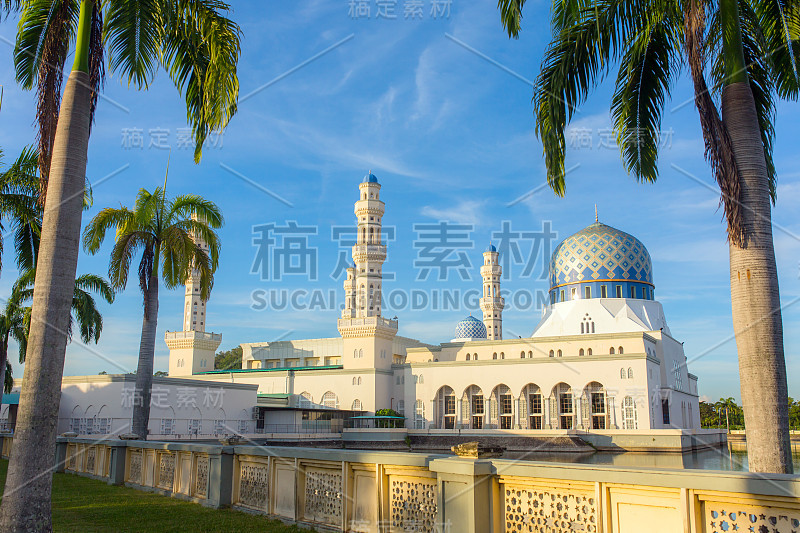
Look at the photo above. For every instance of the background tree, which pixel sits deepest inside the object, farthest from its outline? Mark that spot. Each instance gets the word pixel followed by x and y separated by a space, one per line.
pixel 749 48
pixel 13 325
pixel 229 359
pixel 162 230
pixel 198 46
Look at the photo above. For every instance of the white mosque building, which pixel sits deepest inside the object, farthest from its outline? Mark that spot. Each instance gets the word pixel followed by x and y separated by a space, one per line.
pixel 602 356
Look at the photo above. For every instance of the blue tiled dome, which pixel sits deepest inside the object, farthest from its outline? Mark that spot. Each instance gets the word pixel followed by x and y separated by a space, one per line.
pixel 491 248
pixel 600 253
pixel 470 328
pixel 370 178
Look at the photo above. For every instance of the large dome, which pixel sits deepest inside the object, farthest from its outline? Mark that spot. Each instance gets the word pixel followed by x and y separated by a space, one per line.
pixel 600 253
pixel 470 328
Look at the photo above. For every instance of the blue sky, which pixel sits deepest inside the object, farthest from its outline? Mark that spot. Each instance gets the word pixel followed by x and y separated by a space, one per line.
pixel 439 108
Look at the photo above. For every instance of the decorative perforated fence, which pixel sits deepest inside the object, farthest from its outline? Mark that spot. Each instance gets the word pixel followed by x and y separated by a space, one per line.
pixel 387 492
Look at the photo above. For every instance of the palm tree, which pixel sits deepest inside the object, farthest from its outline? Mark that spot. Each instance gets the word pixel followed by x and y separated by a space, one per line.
pixel 169 234
pixel 84 311
pixel 749 48
pixel 198 46
pixel 12 326
pixel 19 191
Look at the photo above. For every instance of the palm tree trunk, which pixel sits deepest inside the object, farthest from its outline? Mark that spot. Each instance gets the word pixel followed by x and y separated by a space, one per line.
pixel 755 300
pixel 147 347
pixel 26 499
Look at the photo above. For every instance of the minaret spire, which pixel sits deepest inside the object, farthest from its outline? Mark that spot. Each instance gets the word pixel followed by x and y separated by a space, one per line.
pixel 492 303
pixel 596 219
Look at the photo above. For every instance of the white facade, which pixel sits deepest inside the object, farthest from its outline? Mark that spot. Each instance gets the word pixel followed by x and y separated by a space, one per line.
pixel 600 358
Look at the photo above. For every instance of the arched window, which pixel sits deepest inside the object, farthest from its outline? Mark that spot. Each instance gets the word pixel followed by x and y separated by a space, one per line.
pixel 592 326
pixel 581 327
pixel 467 357
pixel 530 354
pixel 559 353
pixel 522 354
pixel 580 352
pixel 475 357
pixel 355 353
pixel 611 350
pixel 330 400
pixel 630 373
pixel 494 355
pixel 589 351
pixel 305 400
pixel 421 378
pixel 354 381
pixel 356 405
pixel 552 353
pixel 502 355
pixel 419 414
pixel 629 415
pixel 360 353
pixel 622 373
pixel 620 349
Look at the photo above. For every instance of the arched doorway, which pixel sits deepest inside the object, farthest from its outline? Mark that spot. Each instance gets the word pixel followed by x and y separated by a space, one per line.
pixel 594 406
pixel 531 405
pixel 473 405
pixel 562 407
pixel 445 403
pixel 502 407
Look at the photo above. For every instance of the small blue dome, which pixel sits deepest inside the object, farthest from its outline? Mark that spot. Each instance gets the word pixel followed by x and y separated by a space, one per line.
pixel 491 248
pixel 470 328
pixel 370 178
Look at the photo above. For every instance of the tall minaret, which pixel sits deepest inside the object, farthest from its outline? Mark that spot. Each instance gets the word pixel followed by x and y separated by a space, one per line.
pixel 194 312
pixel 492 304
pixel 367 336
pixel 192 350
pixel 369 253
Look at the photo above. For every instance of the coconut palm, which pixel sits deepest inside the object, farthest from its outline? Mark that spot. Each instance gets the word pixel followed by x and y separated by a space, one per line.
pixel 198 46
pixel 749 49
pixel 169 234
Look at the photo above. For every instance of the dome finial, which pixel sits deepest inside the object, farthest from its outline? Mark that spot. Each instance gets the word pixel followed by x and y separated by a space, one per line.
pixel 596 219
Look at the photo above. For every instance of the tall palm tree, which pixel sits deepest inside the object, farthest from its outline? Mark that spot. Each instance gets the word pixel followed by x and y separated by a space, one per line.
pixel 168 233
pixel 198 46
pixel 750 50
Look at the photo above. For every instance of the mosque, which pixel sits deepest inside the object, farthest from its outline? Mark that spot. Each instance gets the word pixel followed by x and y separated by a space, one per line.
pixel 601 357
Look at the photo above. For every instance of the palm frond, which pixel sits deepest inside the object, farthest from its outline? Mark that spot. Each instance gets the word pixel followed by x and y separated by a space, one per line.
pixel 95 283
pixel 780 22
pixel 200 51
pixel 646 71
pixel 511 15
pixel 95 231
pixel 122 254
pixel 131 32
pixel 576 60
pixel 192 205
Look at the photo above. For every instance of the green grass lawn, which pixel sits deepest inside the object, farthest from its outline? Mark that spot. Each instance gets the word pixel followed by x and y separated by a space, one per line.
pixel 87 505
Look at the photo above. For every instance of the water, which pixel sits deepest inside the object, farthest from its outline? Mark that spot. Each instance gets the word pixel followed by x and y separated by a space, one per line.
pixel 711 459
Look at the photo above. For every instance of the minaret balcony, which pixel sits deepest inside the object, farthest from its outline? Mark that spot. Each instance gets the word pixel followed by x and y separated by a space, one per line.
pixel 493 302
pixel 370 252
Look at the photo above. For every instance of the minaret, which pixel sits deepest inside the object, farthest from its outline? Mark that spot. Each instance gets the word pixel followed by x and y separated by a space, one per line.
pixel 369 253
pixel 194 312
pixel 368 337
pixel 492 304
pixel 192 350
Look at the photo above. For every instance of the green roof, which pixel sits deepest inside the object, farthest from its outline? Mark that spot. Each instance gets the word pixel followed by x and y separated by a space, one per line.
pixel 273 395
pixel 294 368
